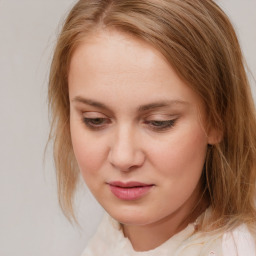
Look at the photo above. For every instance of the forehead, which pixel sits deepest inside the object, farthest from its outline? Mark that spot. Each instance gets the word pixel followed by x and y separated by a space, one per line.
pixel 116 51
pixel 114 65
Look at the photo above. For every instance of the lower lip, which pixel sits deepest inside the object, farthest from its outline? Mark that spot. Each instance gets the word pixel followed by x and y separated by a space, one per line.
pixel 129 194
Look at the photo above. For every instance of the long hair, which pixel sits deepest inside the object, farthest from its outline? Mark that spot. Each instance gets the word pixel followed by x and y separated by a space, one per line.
pixel 199 42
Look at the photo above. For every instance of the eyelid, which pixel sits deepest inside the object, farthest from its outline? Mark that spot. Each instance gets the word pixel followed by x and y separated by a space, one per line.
pixel 159 122
pixel 93 114
pixel 161 117
pixel 97 123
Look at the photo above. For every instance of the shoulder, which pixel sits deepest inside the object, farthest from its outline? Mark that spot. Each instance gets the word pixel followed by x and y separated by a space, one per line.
pixel 239 242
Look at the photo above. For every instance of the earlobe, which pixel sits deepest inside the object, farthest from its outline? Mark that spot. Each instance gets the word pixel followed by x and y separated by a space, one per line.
pixel 214 136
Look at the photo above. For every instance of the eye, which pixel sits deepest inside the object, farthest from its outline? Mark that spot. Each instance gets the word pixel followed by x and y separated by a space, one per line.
pixel 96 123
pixel 160 125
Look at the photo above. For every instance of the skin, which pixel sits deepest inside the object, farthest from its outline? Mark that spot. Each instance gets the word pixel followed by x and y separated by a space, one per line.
pixel 112 77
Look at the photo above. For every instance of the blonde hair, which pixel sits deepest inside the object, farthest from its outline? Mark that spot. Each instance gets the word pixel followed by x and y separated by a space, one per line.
pixel 199 42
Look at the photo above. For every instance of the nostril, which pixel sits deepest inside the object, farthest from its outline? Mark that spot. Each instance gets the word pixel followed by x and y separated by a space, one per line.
pixel 126 160
pixel 125 152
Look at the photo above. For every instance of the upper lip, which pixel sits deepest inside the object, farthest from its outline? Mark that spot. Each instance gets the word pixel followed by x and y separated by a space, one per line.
pixel 129 184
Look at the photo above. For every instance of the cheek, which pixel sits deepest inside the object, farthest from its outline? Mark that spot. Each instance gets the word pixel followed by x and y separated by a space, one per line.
pixel 89 154
pixel 182 154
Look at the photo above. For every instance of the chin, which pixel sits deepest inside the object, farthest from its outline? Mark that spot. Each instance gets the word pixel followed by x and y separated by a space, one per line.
pixel 131 217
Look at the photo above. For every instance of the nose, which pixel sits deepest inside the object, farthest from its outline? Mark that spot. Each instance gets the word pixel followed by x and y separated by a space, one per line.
pixel 125 152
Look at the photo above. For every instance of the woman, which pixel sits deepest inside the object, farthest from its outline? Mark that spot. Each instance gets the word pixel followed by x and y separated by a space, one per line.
pixel 157 115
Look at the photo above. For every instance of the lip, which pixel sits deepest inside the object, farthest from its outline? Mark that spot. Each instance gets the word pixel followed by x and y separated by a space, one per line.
pixel 128 191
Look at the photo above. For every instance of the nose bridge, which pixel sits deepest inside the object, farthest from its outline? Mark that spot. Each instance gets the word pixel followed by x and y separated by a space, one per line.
pixel 125 151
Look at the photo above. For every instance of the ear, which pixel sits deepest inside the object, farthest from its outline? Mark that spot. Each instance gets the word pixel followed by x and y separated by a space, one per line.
pixel 215 136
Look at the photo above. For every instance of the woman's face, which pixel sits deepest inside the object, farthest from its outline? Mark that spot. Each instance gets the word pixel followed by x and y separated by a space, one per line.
pixel 136 129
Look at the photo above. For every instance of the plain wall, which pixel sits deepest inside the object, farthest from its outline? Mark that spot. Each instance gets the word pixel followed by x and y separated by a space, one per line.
pixel 31 222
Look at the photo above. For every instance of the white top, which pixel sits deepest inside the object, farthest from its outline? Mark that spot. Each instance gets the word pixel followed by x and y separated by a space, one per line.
pixel 110 241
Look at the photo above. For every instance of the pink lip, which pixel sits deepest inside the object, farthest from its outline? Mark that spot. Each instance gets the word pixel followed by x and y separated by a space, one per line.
pixel 129 191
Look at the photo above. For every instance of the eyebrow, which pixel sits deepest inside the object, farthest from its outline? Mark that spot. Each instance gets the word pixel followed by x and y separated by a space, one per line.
pixel 90 102
pixel 161 104
pixel 143 108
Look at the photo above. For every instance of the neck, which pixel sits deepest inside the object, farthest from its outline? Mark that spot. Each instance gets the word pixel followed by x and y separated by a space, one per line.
pixel 148 237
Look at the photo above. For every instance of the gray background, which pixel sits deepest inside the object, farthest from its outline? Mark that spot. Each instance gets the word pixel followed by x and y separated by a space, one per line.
pixel 31 222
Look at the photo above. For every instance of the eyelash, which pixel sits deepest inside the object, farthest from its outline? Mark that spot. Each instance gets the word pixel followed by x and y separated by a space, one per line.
pixel 161 125
pixel 93 123
pixel 100 123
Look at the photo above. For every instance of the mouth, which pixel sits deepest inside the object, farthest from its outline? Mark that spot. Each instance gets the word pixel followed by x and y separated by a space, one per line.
pixel 130 190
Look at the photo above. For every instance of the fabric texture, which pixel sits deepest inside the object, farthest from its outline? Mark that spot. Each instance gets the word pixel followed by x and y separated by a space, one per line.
pixel 238 243
pixel 110 241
